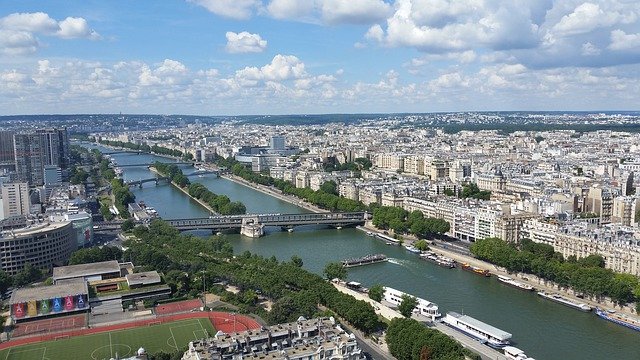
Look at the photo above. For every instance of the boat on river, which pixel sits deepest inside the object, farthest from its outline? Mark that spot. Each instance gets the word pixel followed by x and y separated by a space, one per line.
pixel 365 260
pixel 620 319
pixel 476 329
pixel 439 260
pixel 513 283
pixel 513 353
pixel 413 249
pixel 423 307
pixel 476 270
pixel 565 301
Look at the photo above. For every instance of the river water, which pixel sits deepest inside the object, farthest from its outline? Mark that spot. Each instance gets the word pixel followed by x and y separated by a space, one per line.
pixel 543 329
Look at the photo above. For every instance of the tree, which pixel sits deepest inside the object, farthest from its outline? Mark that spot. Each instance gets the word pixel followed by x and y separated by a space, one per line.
pixel 296 260
pixel 329 187
pixel 27 275
pixel 5 282
pixel 128 225
pixel 335 270
pixel 407 305
pixel 421 245
pixel 376 292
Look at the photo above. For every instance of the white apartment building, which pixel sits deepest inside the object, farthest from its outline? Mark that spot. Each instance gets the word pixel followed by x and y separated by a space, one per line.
pixel 15 199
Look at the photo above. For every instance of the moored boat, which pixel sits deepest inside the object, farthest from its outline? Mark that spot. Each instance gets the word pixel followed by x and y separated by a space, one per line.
pixel 565 301
pixel 438 260
pixel 476 270
pixel 624 320
pixel 477 329
pixel 413 249
pixel 423 307
pixel 513 353
pixel 513 283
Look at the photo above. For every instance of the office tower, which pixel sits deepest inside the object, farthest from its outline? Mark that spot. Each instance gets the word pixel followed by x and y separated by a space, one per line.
pixel 277 143
pixel 28 150
pixel 55 147
pixel 15 199
pixel 6 148
pixel 52 175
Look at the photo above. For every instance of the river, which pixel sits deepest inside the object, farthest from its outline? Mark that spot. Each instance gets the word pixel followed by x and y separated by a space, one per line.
pixel 543 329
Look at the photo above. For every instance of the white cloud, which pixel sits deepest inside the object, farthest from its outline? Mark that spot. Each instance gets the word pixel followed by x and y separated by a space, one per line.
pixel 589 16
pixel 18 31
pixel 244 42
pixel 623 41
pixel 354 11
pixel 588 49
pixel 235 9
pixel 75 27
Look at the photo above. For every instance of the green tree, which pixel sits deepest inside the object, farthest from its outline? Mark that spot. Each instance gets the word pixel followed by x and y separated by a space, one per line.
pixel 27 275
pixel 376 292
pixel 335 270
pixel 128 225
pixel 421 245
pixel 407 305
pixel 329 187
pixel 296 260
pixel 5 282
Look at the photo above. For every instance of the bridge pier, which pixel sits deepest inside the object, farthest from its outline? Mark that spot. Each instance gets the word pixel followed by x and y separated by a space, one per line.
pixel 251 227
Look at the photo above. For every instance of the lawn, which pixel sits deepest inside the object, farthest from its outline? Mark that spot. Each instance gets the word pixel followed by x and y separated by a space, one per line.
pixel 166 337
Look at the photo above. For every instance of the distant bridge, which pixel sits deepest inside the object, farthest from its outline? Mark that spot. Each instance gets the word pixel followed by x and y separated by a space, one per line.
pixel 149 164
pixel 288 221
pixel 159 179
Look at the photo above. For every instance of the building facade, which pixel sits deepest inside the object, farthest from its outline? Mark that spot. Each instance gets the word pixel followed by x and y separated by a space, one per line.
pixel 15 199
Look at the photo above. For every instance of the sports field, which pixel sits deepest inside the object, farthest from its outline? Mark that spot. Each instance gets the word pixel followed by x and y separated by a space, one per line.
pixel 167 337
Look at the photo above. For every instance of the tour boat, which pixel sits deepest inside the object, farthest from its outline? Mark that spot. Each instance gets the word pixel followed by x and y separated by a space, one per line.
pixel 438 260
pixel 565 301
pixel 476 329
pixel 513 353
pixel 624 320
pixel 423 307
pixel 513 283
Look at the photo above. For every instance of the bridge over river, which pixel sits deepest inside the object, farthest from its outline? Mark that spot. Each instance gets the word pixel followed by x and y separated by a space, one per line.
pixel 252 224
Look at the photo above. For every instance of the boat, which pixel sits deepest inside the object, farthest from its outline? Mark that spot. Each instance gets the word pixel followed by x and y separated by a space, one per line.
pixel 476 270
pixel 423 307
pixel 438 260
pixel 290 230
pixel 412 249
pixel 477 329
pixel 624 320
pixel 369 233
pixel 565 301
pixel 513 283
pixel 365 260
pixel 513 353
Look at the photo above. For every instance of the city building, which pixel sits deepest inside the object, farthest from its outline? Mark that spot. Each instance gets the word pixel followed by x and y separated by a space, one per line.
pixel 29 163
pixel 15 199
pixel 7 153
pixel 277 143
pixel 41 245
pixel 313 339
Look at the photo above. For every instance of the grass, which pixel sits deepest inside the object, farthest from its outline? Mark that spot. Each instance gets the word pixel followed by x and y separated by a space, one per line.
pixel 167 337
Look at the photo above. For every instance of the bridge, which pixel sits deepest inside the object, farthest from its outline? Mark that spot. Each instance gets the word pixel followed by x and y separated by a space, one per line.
pixel 159 179
pixel 123 152
pixel 251 225
pixel 149 164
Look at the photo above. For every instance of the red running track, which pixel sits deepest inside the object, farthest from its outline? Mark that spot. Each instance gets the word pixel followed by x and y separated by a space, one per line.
pixel 49 325
pixel 178 306
pixel 222 321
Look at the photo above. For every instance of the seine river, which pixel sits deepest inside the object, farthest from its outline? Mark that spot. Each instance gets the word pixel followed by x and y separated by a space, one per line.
pixel 543 329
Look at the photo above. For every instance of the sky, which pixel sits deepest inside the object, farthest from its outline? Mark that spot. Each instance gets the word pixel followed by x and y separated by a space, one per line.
pixel 234 57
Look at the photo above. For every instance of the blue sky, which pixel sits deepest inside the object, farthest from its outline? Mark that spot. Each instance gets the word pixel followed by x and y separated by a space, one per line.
pixel 216 57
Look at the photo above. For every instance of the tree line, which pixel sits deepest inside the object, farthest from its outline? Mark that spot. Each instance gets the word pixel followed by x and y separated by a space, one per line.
pixel 401 221
pixel 294 291
pixel 219 203
pixel 173 172
pixel 155 149
pixel 586 275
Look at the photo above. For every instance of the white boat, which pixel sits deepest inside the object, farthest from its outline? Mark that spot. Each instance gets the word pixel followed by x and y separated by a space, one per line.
pixel 566 302
pixel 513 283
pixel 513 353
pixel 369 233
pixel 424 307
pixel 476 329
pixel 412 249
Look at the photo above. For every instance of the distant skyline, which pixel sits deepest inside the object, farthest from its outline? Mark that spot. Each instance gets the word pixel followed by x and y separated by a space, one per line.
pixel 233 57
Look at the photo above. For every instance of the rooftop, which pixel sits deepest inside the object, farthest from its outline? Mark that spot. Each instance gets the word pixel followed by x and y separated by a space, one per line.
pixel 143 278
pixel 82 270
pixel 48 292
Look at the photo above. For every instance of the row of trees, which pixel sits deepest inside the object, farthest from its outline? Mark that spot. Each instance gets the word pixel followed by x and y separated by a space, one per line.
pixel 27 275
pixel 122 196
pixel 356 165
pixel 326 197
pixel 219 203
pixel 294 291
pixel 409 340
pixel 173 172
pixel 95 254
pixel 401 221
pixel 586 275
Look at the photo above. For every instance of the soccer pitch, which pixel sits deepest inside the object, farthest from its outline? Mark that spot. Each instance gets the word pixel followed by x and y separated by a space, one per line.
pixel 167 337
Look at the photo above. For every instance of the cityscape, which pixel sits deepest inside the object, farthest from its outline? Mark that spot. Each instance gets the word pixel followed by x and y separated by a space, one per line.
pixel 319 179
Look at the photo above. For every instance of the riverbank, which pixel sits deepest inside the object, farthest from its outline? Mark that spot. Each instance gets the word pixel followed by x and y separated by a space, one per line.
pixel 202 203
pixel 275 193
pixel 530 279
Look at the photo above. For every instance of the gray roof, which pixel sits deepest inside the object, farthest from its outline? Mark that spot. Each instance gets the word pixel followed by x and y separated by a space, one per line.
pixel 48 292
pixel 143 278
pixel 82 270
pixel 494 331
